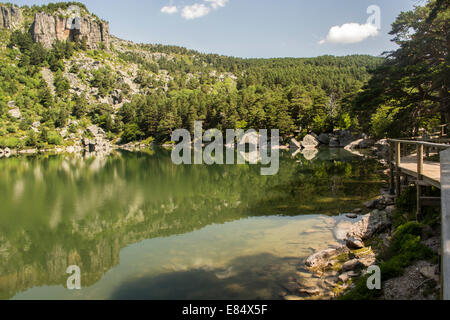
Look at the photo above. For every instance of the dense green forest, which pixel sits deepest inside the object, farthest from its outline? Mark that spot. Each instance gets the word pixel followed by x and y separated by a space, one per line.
pixel 390 96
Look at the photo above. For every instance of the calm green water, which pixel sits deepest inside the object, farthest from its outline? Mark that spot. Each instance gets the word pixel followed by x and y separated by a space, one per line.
pixel 140 227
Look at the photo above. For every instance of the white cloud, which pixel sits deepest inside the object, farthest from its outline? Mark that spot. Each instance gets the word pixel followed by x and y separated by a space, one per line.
pixel 197 10
pixel 350 33
pixel 216 4
pixel 169 9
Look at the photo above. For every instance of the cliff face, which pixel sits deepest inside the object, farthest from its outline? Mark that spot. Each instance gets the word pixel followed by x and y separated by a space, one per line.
pixel 48 28
pixel 10 17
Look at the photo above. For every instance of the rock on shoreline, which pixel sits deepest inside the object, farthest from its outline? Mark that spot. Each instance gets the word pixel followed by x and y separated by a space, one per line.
pixel 339 265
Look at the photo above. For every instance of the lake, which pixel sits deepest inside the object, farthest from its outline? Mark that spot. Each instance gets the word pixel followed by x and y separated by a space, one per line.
pixel 140 227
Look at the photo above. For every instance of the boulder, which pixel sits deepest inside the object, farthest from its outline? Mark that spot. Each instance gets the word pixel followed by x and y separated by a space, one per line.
pixel 345 138
pixel 354 243
pixel 2 153
pixel 351 265
pixel 430 272
pixel 324 138
pixel 323 258
pixel 347 276
pixel 7 152
pixel 372 204
pixel 15 113
pixel 372 223
pixel 360 144
pixel 309 141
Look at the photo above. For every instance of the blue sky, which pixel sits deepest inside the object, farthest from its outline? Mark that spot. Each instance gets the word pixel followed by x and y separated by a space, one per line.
pixel 252 28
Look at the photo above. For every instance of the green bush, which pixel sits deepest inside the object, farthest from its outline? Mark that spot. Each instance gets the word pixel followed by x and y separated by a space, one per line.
pixel 11 129
pixel 11 142
pixel 53 138
pixel 31 140
pixel 131 133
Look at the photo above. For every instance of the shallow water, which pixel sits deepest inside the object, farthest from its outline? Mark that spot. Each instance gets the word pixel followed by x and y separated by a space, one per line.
pixel 140 227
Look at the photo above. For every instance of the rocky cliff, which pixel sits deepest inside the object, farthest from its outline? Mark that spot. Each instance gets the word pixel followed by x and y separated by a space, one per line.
pixel 10 17
pixel 70 25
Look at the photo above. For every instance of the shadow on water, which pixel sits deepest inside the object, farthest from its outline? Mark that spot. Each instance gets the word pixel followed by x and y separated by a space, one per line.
pixel 258 277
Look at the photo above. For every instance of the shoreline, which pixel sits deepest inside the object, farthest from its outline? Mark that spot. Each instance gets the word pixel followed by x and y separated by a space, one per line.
pixel 364 243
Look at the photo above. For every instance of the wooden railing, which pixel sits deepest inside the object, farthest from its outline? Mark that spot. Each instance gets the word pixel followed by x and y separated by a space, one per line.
pixel 444 200
pixel 395 158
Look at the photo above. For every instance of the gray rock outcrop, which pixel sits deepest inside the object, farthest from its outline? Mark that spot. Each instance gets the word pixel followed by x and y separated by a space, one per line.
pixel 360 144
pixel 47 29
pixel 10 17
pixel 372 223
pixel 15 113
pixel 99 142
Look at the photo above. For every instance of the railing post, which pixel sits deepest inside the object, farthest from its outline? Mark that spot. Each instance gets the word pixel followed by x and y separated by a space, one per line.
pixel 397 165
pixel 397 154
pixel 445 223
pixel 391 169
pixel 420 162
pixel 419 179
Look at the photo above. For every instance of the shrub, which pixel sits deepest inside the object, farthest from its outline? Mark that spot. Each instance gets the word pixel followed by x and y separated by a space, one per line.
pixel 31 140
pixel 131 133
pixel 11 129
pixel 11 142
pixel 54 138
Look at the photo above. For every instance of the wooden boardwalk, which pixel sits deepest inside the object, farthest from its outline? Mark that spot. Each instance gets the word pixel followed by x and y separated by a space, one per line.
pixel 426 173
pixel 431 170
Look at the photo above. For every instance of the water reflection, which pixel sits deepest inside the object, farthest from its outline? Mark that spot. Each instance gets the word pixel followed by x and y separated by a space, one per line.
pixel 58 211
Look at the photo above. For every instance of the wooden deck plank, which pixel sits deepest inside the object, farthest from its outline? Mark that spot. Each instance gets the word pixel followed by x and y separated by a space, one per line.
pixel 431 170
